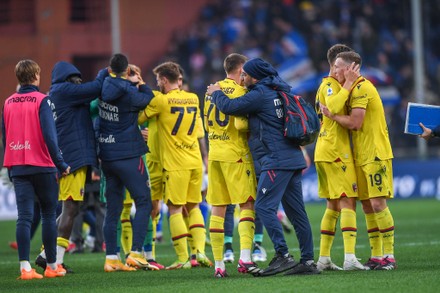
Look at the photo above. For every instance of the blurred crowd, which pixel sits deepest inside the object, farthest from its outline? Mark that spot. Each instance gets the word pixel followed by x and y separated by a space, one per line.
pixel 295 35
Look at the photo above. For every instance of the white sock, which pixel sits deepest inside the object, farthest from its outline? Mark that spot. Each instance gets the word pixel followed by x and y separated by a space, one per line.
pixel 60 254
pixel 149 255
pixel 53 266
pixel 219 264
pixel 26 265
pixel 325 259
pixel 112 257
pixel 350 257
pixel 245 255
pixel 43 254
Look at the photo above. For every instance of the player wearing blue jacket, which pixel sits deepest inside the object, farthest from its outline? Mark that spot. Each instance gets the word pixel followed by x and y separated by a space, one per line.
pixel 121 147
pixel 281 163
pixel 70 99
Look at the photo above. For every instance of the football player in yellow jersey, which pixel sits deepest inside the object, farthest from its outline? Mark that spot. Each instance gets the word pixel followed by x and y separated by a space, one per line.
pixel 373 160
pixel 231 175
pixel 335 168
pixel 179 126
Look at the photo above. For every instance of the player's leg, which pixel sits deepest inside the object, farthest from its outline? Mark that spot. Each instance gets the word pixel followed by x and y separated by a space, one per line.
pixel 381 189
pixel 24 195
pixel 71 194
pixel 241 183
pixel 46 189
pixel 126 226
pixel 329 219
pixel 328 230
pixel 175 194
pixel 259 253
pixel 134 174
pixel 196 222
pixel 216 232
pixel 272 185
pixel 219 198
pixel 114 190
pixel 293 204
pixel 228 255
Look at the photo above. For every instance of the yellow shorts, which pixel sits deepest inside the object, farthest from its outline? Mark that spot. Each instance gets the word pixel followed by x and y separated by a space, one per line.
pixel 183 186
pixel 336 179
pixel 72 185
pixel 230 183
pixel 375 180
pixel 156 180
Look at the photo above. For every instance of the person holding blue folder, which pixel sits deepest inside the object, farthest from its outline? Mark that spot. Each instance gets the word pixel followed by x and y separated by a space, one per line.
pixel 429 133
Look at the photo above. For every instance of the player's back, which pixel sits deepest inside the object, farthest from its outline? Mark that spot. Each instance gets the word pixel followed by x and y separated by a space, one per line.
pixel 179 125
pixel 333 142
pixel 226 143
pixel 371 141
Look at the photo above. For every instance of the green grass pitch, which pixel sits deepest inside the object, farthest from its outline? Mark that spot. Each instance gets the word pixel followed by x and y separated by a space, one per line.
pixel 417 251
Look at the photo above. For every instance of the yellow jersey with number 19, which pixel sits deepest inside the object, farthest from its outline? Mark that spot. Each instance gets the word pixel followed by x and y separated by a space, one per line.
pixel 178 129
pixel 226 143
pixel 371 142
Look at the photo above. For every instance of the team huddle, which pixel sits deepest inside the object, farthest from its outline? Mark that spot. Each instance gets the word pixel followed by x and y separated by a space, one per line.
pixel 148 144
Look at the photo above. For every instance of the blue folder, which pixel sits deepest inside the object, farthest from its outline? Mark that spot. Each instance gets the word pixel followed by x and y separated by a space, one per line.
pixel 429 115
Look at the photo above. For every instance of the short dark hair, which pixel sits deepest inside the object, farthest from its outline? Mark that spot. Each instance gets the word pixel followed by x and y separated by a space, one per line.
pixel 350 57
pixel 233 61
pixel 335 50
pixel 119 63
pixel 26 71
pixel 170 70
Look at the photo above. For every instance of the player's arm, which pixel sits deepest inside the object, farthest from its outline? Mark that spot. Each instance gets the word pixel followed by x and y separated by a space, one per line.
pixel 153 109
pixel 241 123
pixel 353 121
pixel 205 113
pixel 335 103
pixel 240 106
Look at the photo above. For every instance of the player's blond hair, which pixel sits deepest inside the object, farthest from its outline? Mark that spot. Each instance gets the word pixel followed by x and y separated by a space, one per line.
pixel 26 71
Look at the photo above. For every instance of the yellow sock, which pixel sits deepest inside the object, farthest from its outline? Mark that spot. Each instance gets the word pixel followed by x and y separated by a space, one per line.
pixel 385 222
pixel 153 245
pixel 328 230
pixel 197 230
pixel 374 236
pixel 246 229
pixel 192 249
pixel 126 229
pixel 179 235
pixel 349 230
pixel 63 242
pixel 217 235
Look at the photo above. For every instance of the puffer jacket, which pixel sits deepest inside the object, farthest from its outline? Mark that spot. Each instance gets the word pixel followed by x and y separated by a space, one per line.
pixel 70 107
pixel 263 106
pixel 119 135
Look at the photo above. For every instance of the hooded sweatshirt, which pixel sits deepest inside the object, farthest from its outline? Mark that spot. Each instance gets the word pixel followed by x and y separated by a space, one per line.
pixel 70 107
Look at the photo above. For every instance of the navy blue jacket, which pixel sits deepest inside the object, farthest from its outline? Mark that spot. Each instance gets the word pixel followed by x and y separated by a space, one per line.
pixel 71 112
pixel 50 137
pixel 119 135
pixel 263 106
